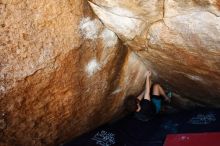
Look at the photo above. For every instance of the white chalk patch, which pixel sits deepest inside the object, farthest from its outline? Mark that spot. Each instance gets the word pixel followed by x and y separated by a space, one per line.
pixel 90 28
pixel 116 91
pixel 192 77
pixel 122 12
pixel 195 78
pixel 109 38
pixel 92 67
pixel 2 89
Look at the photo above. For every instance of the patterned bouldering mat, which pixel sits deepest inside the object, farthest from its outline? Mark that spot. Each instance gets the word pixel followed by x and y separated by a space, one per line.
pixel 132 132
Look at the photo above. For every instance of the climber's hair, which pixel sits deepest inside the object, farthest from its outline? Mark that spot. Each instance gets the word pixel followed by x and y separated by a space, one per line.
pixel 130 103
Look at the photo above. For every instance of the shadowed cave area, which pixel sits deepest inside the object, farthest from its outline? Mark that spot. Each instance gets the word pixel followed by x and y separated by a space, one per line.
pixel 71 70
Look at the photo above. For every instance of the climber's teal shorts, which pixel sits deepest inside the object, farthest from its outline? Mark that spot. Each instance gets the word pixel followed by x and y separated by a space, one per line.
pixel 156 100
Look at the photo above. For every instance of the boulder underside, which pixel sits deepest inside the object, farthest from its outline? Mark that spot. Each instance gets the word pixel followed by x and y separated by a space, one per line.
pixel 67 67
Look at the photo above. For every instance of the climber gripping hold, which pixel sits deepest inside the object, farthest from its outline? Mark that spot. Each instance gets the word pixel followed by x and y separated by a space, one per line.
pixel 150 100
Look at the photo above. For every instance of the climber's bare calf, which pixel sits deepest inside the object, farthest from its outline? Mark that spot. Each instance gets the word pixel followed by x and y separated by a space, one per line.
pixel 159 91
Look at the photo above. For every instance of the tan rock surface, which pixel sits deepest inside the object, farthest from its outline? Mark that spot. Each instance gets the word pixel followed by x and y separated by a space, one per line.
pixel 62 72
pixel 181 42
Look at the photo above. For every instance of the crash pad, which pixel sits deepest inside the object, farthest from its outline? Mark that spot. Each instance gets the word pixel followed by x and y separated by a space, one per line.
pixel 193 139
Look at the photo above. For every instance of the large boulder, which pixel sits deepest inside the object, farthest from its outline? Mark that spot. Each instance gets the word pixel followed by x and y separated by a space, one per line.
pixel 65 71
pixel 180 38
pixel 62 73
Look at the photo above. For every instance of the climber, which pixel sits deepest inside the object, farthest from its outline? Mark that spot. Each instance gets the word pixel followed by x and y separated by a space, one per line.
pixel 149 102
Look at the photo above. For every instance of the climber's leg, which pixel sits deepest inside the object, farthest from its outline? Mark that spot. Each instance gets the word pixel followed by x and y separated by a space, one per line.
pixel 159 91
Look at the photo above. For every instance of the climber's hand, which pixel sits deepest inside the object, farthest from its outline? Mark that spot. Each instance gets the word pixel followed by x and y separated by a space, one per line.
pixel 148 73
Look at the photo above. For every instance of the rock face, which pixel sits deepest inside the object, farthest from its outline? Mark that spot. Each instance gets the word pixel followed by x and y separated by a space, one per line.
pixel 180 38
pixel 62 72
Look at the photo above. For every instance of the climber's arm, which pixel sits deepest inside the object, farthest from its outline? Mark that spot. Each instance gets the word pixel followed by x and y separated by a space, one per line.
pixel 147 90
pixel 140 97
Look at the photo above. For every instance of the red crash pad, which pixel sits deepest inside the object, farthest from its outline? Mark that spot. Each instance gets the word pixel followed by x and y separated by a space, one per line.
pixel 195 139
